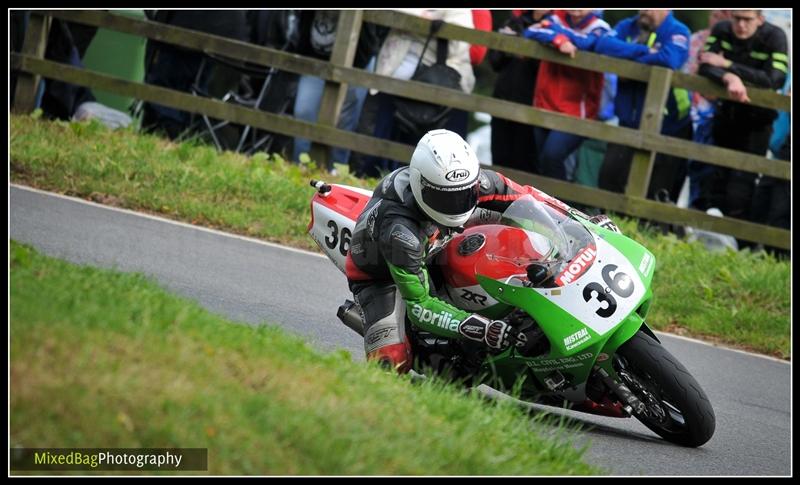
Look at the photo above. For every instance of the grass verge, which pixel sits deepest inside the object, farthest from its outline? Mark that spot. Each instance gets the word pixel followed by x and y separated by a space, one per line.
pixel 107 359
pixel 739 299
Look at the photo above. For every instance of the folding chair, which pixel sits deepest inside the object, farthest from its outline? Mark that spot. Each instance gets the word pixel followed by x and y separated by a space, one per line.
pixel 214 76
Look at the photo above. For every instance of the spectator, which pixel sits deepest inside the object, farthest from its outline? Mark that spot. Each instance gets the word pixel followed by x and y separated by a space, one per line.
pixel 513 143
pixel 459 119
pixel 317 35
pixel 745 48
pixel 589 156
pixel 565 89
pixel 276 29
pixel 482 19
pixel 771 201
pixel 398 58
pixel 67 43
pixel 656 38
pixel 698 41
pixel 702 110
pixel 176 68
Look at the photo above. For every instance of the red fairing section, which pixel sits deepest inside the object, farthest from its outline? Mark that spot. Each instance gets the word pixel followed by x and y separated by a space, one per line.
pixel 507 251
pixel 397 355
pixel 340 199
pixel 606 408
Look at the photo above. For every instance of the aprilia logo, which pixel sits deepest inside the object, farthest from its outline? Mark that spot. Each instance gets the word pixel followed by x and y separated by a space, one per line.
pixel 444 319
pixel 577 266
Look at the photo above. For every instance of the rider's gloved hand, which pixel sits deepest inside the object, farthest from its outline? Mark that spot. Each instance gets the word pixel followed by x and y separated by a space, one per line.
pixel 603 220
pixel 495 334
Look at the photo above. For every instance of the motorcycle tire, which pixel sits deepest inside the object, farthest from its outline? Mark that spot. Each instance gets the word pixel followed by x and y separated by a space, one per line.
pixel 677 408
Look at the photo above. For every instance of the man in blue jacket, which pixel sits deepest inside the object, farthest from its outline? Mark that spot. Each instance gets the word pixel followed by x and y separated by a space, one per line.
pixel 657 38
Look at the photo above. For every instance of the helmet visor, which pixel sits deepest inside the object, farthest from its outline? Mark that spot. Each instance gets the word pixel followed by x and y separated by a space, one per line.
pixel 451 201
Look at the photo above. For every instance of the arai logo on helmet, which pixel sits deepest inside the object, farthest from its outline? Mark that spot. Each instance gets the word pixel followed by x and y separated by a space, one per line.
pixel 457 175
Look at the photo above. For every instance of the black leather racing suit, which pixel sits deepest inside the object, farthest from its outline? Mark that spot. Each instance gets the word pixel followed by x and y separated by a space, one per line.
pixel 392 241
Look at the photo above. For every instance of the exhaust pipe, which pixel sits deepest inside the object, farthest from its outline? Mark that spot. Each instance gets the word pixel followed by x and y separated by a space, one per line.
pixel 350 315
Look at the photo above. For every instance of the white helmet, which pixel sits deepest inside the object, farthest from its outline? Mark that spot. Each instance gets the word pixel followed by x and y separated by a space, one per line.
pixel 444 177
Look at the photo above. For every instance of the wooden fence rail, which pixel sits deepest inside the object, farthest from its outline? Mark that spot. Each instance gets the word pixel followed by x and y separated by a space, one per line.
pixel 339 72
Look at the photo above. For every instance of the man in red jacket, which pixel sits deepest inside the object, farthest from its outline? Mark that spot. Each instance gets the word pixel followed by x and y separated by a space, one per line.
pixel 565 89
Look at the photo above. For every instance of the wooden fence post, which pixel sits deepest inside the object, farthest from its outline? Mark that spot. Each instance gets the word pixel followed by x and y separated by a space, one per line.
pixel 34 45
pixel 658 89
pixel 647 139
pixel 333 95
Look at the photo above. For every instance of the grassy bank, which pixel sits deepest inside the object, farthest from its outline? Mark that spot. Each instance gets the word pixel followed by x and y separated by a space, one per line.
pixel 738 299
pixel 106 359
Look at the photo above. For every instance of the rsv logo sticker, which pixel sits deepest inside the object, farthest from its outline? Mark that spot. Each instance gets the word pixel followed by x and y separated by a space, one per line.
pixel 457 175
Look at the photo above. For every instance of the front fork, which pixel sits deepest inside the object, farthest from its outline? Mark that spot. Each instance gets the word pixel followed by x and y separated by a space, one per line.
pixel 608 375
pixel 631 403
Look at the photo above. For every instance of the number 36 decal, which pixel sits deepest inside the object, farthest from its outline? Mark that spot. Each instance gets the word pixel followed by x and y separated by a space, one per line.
pixel 620 283
pixel 333 239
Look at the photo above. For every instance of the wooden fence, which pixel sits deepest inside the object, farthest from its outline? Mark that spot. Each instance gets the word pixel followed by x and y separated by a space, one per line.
pixel 338 73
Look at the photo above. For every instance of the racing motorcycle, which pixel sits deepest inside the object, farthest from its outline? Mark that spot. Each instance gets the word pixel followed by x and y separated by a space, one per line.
pixel 580 293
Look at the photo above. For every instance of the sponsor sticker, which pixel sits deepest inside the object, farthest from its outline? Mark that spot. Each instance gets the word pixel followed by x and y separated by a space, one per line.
pixel 439 319
pixel 644 265
pixel 578 213
pixel 576 339
pixel 577 266
pixel 457 175
pixel 559 363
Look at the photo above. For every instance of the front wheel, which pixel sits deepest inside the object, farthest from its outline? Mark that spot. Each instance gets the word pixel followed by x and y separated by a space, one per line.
pixel 677 409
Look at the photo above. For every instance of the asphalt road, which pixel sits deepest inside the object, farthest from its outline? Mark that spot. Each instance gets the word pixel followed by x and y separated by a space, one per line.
pixel 254 282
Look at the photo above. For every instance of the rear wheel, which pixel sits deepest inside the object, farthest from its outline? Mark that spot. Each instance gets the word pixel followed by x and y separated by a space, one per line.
pixel 677 409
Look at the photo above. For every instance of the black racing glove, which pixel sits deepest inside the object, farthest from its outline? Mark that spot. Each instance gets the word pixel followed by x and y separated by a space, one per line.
pixel 603 220
pixel 495 334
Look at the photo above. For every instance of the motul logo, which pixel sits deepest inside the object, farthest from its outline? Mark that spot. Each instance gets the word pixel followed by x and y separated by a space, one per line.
pixel 577 266
pixel 457 175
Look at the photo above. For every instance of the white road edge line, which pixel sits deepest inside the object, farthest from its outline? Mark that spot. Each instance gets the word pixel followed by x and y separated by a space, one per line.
pixel 681 337
pixel 301 251
pixel 165 220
